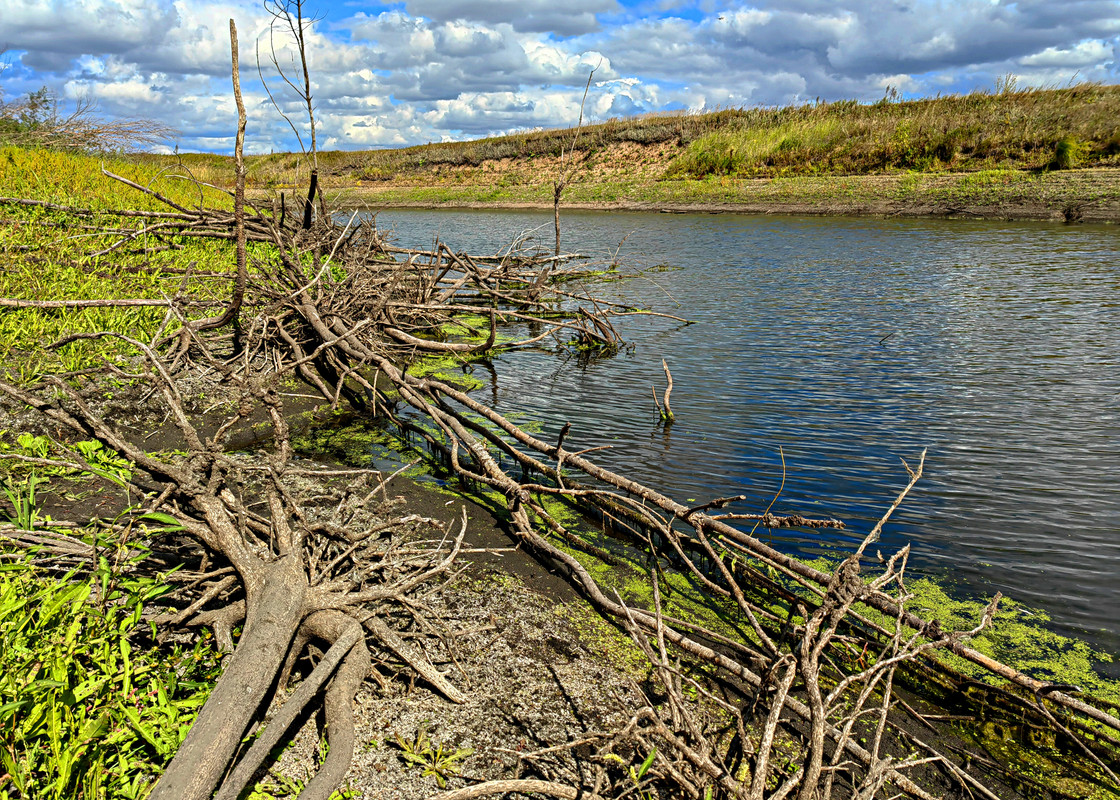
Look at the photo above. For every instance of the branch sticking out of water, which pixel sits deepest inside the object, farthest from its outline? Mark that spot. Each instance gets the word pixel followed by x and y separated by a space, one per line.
pixel 665 412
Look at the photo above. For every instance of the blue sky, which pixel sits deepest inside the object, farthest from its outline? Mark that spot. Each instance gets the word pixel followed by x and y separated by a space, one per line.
pixel 394 74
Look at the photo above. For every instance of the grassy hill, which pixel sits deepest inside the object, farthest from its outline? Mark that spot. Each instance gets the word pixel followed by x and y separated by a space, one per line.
pixel 1037 152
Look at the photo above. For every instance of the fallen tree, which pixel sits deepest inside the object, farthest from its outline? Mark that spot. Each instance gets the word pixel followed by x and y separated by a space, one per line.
pixel 343 312
pixel 808 666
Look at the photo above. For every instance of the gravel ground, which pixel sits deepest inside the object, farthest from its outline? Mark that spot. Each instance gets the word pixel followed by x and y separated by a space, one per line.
pixel 538 673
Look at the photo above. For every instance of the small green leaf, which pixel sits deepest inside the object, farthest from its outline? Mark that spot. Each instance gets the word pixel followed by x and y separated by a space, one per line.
pixel 143 730
pixel 168 520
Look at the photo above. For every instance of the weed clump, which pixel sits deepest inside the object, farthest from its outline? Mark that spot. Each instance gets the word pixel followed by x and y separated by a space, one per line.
pixel 1067 153
pixel 84 711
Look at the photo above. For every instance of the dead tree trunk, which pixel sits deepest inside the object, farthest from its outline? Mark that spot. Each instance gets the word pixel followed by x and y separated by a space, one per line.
pixel 568 166
pixel 275 610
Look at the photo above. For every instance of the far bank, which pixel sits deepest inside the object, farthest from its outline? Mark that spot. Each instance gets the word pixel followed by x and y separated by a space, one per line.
pixel 1089 195
pixel 1050 154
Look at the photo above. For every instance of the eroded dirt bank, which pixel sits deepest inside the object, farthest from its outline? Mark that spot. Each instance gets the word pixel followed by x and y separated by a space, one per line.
pixel 1076 196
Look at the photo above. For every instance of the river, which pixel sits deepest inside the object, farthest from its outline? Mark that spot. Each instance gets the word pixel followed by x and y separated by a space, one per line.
pixel 843 345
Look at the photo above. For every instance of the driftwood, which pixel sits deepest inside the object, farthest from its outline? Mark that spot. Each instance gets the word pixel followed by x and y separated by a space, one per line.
pixel 664 410
pixel 339 310
pixel 345 313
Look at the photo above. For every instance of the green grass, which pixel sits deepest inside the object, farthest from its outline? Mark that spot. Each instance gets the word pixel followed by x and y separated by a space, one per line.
pixel 45 254
pixel 76 179
pixel 1032 129
pixel 88 708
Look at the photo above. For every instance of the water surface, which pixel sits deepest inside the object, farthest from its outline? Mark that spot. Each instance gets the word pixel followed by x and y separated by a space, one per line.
pixel 849 344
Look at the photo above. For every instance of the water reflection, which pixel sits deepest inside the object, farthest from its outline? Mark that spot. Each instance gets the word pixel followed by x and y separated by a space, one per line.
pixel 851 343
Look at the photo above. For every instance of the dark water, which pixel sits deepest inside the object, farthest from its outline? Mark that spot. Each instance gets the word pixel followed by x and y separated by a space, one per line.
pixel 849 343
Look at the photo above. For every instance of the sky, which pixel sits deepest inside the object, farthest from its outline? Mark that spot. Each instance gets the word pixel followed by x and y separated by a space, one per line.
pixel 419 71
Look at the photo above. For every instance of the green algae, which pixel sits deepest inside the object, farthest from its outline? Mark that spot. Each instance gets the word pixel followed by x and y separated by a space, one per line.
pixel 1035 761
pixel 1019 637
pixel 605 640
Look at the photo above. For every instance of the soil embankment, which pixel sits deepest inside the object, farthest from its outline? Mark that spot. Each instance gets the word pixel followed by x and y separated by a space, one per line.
pixel 632 178
pixel 1091 195
pixel 1036 154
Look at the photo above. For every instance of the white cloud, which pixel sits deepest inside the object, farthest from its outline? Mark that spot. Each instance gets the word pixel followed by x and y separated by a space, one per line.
pixel 428 70
pixel 1080 55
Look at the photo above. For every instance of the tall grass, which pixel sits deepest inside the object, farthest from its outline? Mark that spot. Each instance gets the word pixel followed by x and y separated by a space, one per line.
pixel 1015 129
pixel 982 130
pixel 76 179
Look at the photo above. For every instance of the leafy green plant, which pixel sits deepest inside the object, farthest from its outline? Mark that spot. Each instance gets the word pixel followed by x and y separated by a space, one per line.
pixel 25 512
pixel 432 759
pixel 83 712
pixel 282 786
pixel 36 446
pixel 28 446
pixel 278 785
pixel 636 775
pixel 105 463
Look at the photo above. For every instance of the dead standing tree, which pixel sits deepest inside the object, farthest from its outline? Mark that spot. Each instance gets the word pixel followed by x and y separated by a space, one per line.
pixel 288 14
pixel 568 166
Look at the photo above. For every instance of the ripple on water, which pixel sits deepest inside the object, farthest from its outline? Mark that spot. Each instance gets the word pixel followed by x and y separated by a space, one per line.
pixel 850 343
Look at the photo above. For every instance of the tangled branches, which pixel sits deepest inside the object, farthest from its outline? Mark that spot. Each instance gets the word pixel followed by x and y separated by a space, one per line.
pixel 796 696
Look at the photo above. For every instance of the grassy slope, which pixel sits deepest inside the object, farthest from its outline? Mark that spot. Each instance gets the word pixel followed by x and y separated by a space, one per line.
pixel 51 259
pixel 1037 153
pixel 137 701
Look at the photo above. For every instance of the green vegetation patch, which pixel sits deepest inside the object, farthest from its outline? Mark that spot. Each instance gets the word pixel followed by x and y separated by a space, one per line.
pixel 76 179
pixel 449 369
pixel 88 708
pixel 1019 637
pixel 1032 129
pixel 48 254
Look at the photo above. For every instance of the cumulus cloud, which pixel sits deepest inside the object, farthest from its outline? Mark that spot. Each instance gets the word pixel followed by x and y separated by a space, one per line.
pixel 429 70
pixel 1082 54
pixel 52 35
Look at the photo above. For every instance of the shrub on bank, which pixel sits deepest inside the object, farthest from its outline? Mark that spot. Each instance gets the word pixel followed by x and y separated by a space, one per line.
pixel 1067 153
